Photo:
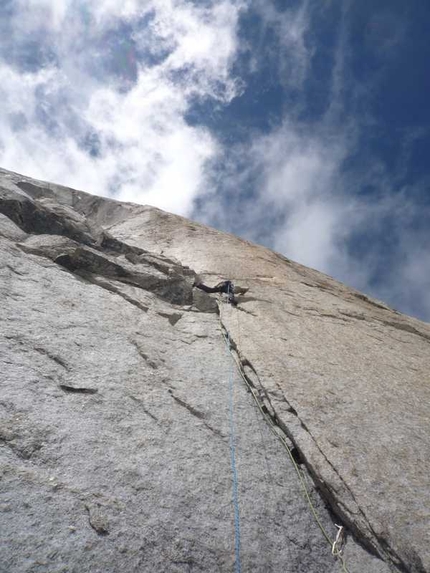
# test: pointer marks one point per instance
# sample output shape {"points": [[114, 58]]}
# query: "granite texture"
{"points": [[114, 407]]}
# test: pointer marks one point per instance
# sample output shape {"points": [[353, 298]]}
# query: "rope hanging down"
{"points": [[334, 544], [233, 457]]}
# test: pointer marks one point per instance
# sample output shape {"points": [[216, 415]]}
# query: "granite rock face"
{"points": [[115, 423]]}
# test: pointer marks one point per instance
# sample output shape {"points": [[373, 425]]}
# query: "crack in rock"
{"points": [[152, 363], [196, 413], [53, 357], [77, 390], [93, 250], [262, 397], [142, 405]]}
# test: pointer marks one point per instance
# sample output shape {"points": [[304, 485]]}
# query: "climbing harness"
{"points": [[233, 456], [337, 544]]}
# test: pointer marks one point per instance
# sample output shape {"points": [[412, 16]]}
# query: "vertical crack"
{"points": [[376, 544]]}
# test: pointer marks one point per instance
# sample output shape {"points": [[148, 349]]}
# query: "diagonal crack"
{"points": [[381, 547], [53, 357], [147, 412], [196, 413], [110, 287]]}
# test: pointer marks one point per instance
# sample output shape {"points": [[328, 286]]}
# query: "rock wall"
{"points": [[115, 417]]}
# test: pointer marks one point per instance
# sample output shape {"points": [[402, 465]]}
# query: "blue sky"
{"points": [[303, 125]]}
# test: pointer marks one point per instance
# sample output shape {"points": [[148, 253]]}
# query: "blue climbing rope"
{"points": [[233, 459]]}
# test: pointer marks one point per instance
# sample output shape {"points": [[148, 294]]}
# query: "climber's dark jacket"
{"points": [[226, 287]]}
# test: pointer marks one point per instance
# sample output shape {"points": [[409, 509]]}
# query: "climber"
{"points": [[226, 287]]}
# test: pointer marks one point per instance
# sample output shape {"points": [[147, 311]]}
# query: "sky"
{"points": [[302, 125]]}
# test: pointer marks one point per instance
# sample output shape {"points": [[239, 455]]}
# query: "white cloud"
{"points": [[296, 203], [33, 15], [143, 148]]}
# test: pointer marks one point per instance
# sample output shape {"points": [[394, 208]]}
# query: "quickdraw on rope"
{"points": [[233, 456], [337, 548], [336, 545]]}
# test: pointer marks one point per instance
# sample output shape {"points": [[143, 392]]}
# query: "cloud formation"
{"points": [[94, 95]]}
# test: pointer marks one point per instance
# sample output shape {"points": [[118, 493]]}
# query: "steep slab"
{"points": [[343, 376], [347, 377]]}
